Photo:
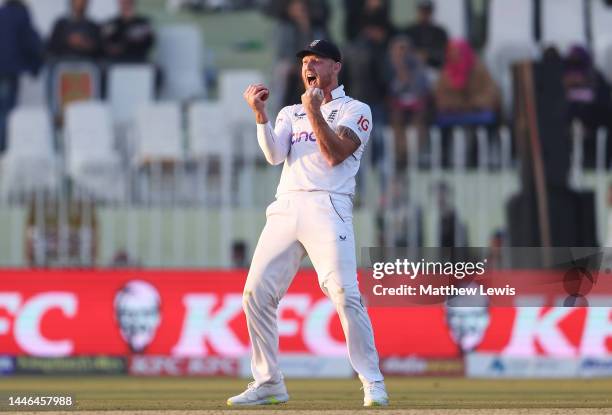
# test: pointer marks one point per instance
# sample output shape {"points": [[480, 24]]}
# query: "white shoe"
{"points": [[375, 394], [264, 394]]}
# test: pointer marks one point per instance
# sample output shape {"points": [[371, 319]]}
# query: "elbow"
{"points": [[334, 161], [274, 161]]}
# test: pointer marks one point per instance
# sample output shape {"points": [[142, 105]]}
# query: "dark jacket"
{"points": [[59, 46], [430, 39], [133, 38], [21, 48]]}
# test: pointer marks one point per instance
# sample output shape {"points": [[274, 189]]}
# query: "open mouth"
{"points": [[311, 79]]}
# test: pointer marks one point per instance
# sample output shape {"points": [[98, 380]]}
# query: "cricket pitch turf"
{"points": [[423, 396]]}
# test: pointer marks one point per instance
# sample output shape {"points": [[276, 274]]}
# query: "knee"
{"points": [[344, 298], [257, 298]]}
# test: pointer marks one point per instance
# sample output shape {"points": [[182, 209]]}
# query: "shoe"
{"points": [[264, 394], [375, 394]]}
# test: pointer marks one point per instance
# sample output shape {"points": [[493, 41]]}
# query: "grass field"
{"points": [[421, 396]]}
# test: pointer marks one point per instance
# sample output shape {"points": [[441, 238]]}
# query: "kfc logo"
{"points": [[137, 310]]}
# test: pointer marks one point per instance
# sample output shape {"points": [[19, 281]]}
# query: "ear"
{"points": [[337, 67]]}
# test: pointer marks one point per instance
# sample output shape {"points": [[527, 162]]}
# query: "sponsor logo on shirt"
{"points": [[363, 124], [303, 137], [299, 116]]}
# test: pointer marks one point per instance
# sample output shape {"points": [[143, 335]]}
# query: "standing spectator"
{"points": [[293, 34], [75, 36], [364, 68], [409, 91], [452, 231], [20, 51], [355, 15], [318, 11], [128, 37], [588, 96], [400, 219], [428, 38]]}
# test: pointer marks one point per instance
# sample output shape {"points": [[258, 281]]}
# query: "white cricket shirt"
{"points": [[294, 142]]}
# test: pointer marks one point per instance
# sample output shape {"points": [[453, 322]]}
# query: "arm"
{"points": [[56, 42], [335, 146], [273, 142]]}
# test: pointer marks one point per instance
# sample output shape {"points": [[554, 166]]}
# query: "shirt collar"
{"points": [[338, 92]]}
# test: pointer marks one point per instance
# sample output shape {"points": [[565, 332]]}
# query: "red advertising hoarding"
{"points": [[197, 314]]}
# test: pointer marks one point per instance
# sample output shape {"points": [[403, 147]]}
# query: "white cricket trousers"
{"points": [[319, 224]]}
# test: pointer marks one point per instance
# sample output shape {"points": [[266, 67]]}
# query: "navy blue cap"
{"points": [[323, 48]]}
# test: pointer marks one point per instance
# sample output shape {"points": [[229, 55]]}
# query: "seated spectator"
{"points": [[75, 36], [588, 97], [20, 51], [128, 37], [465, 93], [409, 89], [428, 38]]}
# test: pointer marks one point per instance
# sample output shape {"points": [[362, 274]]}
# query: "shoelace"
{"points": [[370, 387], [252, 385]]}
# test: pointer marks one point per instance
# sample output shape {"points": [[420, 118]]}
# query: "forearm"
{"points": [[275, 148], [330, 144]]}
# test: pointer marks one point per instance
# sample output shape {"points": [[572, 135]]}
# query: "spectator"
{"points": [[465, 95], [128, 37], [452, 232], [240, 257], [588, 96], [20, 51], [75, 36], [429, 39], [354, 19], [496, 258], [465, 87], [364, 68], [400, 219], [409, 91], [318, 12], [292, 35]]}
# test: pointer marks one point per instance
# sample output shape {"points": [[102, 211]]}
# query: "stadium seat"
{"points": [[209, 134], [102, 10], [452, 16], [210, 140], [158, 133], [510, 22], [563, 24], [158, 158], [232, 85], [601, 21], [29, 163], [510, 39], [33, 90], [92, 162], [604, 60], [128, 87], [73, 81], [46, 12], [500, 60], [179, 53]]}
